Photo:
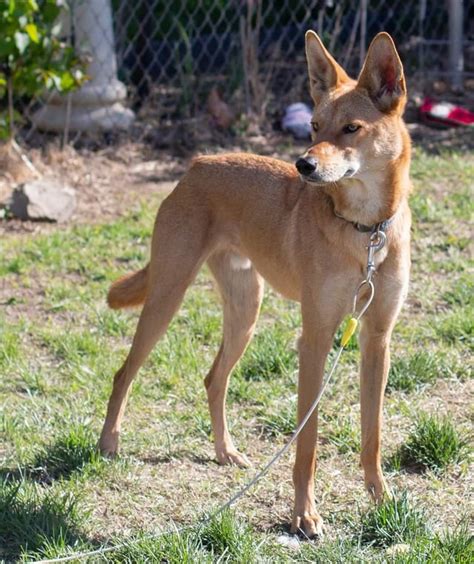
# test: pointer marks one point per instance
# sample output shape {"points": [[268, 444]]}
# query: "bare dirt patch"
{"points": [[109, 181]]}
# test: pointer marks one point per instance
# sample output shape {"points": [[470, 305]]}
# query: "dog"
{"points": [[305, 230]]}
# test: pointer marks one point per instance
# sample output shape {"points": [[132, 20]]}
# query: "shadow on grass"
{"points": [[70, 453], [37, 520], [397, 463], [179, 454]]}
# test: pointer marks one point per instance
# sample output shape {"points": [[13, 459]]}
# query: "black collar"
{"points": [[381, 226]]}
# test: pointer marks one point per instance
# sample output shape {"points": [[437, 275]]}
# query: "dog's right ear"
{"points": [[324, 72]]}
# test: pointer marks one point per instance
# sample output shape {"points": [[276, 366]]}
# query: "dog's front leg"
{"points": [[375, 335], [314, 347], [373, 376]]}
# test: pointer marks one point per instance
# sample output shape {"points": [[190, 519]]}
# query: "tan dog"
{"points": [[254, 218]]}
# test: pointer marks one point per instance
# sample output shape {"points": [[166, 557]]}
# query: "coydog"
{"points": [[305, 230]]}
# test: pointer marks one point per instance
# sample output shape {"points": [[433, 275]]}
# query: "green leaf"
{"points": [[11, 7], [50, 11], [21, 41], [67, 81], [33, 5], [32, 31], [7, 48]]}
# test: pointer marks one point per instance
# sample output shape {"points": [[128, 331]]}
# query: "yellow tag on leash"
{"points": [[349, 331]]}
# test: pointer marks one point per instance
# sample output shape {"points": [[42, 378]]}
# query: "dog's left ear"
{"points": [[382, 75]]}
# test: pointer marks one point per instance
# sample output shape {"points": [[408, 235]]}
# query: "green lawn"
{"points": [[59, 349]]}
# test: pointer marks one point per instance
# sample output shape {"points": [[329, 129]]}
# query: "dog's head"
{"points": [[357, 127]]}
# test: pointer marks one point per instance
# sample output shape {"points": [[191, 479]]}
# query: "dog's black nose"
{"points": [[306, 165]]}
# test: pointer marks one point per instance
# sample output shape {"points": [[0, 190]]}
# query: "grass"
{"points": [[397, 520], [59, 349], [229, 539], [344, 434], [279, 420], [399, 526], [33, 519], [73, 451], [434, 444], [272, 354], [457, 327], [410, 372], [174, 549]]}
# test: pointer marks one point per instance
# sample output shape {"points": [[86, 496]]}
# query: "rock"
{"points": [[289, 541], [44, 199], [397, 549]]}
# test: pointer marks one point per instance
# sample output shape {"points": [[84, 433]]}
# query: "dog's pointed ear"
{"points": [[324, 72], [382, 75]]}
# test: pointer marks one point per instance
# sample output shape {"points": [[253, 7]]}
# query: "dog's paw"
{"points": [[108, 445], [232, 457], [376, 487], [309, 525]]}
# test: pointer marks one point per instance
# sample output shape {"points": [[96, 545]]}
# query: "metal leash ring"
{"points": [[370, 284], [377, 240]]}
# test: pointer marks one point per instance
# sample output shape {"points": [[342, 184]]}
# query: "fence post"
{"points": [[456, 59], [98, 104], [363, 32]]}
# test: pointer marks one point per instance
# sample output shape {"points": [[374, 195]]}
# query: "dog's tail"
{"points": [[129, 291]]}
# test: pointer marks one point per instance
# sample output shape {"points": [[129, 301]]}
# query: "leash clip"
{"points": [[377, 241], [376, 244]]}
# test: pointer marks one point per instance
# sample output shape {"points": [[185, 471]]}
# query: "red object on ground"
{"points": [[445, 113]]}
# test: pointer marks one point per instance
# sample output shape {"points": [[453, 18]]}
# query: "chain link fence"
{"points": [[154, 64]]}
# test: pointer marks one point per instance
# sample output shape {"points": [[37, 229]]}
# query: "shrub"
{"points": [[32, 57], [396, 520], [433, 444]]}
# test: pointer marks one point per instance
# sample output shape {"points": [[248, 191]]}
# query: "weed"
{"points": [[229, 538], [456, 545], [174, 548], [449, 547], [457, 327], [9, 347], [409, 373], [396, 520], [344, 434], [433, 444], [279, 420], [31, 517], [461, 292], [270, 354], [71, 452]]}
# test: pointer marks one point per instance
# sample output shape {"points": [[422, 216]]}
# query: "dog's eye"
{"points": [[350, 128], [315, 126]]}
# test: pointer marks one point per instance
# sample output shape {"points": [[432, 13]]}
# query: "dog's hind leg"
{"points": [[241, 288], [180, 245]]}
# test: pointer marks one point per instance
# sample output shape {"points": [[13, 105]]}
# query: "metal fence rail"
{"points": [[162, 59]]}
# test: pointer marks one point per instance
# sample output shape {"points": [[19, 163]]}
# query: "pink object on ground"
{"points": [[445, 113]]}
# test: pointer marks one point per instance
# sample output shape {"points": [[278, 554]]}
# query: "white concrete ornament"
{"points": [[97, 105]]}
